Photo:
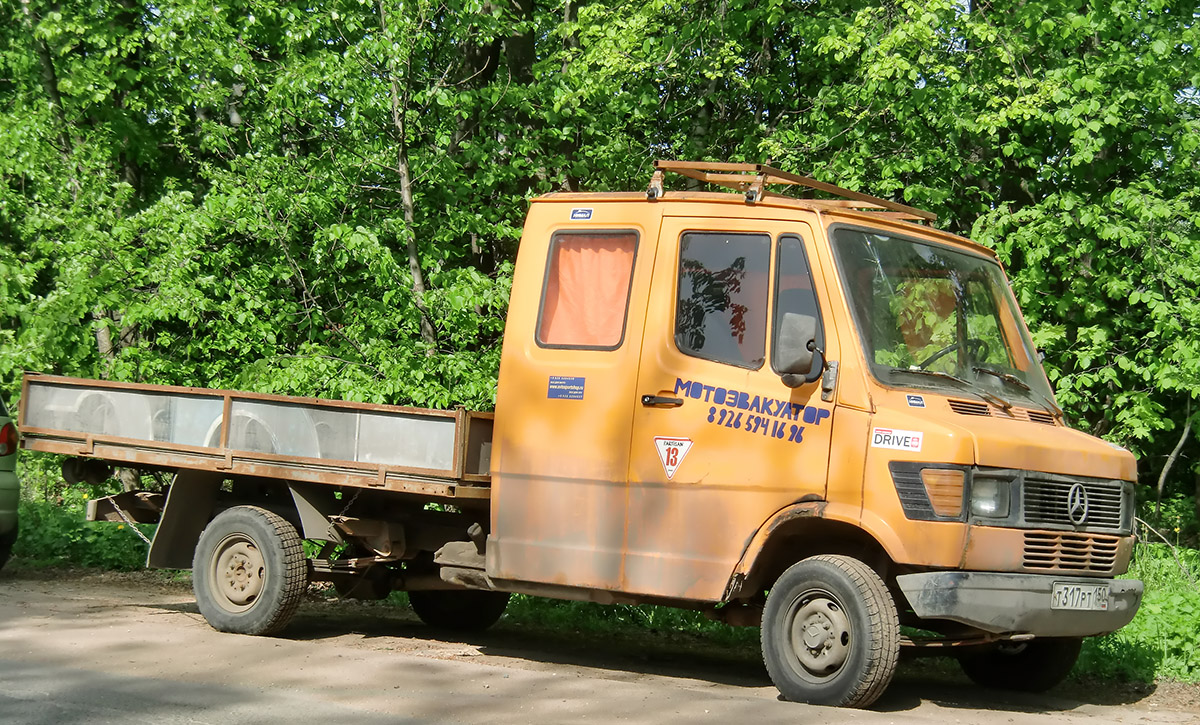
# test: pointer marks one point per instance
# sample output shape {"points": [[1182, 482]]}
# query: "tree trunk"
{"points": [[399, 107], [519, 45], [1162, 477], [50, 85], [569, 147], [104, 342]]}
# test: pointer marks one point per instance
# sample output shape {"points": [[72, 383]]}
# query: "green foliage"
{"points": [[601, 619], [54, 534], [1176, 520], [214, 194], [1162, 641]]}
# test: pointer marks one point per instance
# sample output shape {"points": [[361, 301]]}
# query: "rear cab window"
{"points": [[585, 299]]}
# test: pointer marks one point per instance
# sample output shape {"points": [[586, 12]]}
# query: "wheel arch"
{"points": [[196, 497], [797, 532]]}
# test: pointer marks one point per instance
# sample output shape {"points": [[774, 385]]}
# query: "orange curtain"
{"points": [[587, 290]]}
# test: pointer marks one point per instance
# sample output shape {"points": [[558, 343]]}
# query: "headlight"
{"points": [[989, 497]]}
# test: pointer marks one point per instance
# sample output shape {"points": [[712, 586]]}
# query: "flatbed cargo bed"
{"points": [[433, 453]]}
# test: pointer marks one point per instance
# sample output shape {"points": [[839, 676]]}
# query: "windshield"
{"points": [[933, 317]]}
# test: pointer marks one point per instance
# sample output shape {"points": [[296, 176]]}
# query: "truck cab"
{"points": [[706, 395]]}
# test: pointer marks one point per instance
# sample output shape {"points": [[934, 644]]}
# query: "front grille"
{"points": [[971, 407], [1097, 503], [1070, 552]]}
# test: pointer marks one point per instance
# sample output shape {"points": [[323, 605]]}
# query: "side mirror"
{"points": [[795, 348]]}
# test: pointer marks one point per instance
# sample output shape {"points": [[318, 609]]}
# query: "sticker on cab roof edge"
{"points": [[581, 214], [897, 440], [671, 452], [916, 401]]}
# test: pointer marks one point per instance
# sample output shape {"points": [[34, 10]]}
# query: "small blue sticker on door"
{"points": [[565, 388], [916, 401], [581, 214]]}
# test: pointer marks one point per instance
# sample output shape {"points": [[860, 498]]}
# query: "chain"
{"points": [[132, 525], [351, 503]]}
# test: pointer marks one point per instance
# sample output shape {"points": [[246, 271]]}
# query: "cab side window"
{"points": [[794, 292], [586, 297], [721, 314]]}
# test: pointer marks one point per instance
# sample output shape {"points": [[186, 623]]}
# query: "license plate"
{"points": [[1087, 597]]}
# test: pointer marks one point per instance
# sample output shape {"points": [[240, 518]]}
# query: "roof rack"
{"points": [[753, 178]]}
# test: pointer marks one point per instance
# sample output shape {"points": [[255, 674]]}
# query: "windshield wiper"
{"points": [[970, 387], [1014, 380]]}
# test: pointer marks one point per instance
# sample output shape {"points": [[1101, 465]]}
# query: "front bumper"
{"points": [[1016, 603], [10, 496]]}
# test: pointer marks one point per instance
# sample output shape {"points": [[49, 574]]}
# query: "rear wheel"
{"points": [[248, 572], [830, 633], [1033, 666], [459, 610]]}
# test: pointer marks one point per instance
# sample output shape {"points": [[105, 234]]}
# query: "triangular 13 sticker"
{"points": [[671, 452]]}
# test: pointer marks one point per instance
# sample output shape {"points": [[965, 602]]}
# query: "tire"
{"points": [[249, 572], [1033, 666], [459, 610], [830, 633], [6, 545]]}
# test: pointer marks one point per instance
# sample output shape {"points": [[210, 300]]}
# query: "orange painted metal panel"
{"points": [[754, 445], [563, 416]]}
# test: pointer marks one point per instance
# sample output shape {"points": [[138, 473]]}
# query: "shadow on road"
{"points": [[941, 683], [626, 656]]}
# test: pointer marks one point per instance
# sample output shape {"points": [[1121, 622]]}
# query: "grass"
{"points": [[1162, 642]]}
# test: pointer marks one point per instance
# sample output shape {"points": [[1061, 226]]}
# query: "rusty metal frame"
{"points": [[444, 483], [753, 178], [464, 450]]}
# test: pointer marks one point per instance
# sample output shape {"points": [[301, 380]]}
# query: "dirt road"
{"points": [[92, 648]]}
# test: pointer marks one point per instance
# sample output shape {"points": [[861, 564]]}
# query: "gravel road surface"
{"points": [[79, 647]]}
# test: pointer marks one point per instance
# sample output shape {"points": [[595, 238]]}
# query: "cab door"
{"points": [[719, 442], [567, 388]]}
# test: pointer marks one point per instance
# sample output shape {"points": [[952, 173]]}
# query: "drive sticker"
{"points": [[581, 214], [565, 388], [671, 452], [897, 440], [916, 401]]}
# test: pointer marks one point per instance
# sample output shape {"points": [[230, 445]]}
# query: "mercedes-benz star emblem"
{"points": [[1077, 504]]}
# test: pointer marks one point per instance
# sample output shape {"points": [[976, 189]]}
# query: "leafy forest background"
{"points": [[325, 198]]}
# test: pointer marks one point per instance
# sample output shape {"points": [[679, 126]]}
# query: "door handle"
{"points": [[661, 401]]}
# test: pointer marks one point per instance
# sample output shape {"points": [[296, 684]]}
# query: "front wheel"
{"points": [[830, 633], [248, 572], [1033, 666]]}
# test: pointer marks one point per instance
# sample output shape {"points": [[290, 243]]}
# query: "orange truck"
{"points": [[820, 416]]}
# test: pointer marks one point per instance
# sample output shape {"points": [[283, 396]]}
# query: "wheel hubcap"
{"points": [[820, 635], [238, 573]]}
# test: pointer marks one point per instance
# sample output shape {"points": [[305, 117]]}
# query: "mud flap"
{"points": [[189, 506]]}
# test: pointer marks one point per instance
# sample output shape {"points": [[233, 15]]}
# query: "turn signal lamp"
{"points": [[944, 486], [8, 440]]}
